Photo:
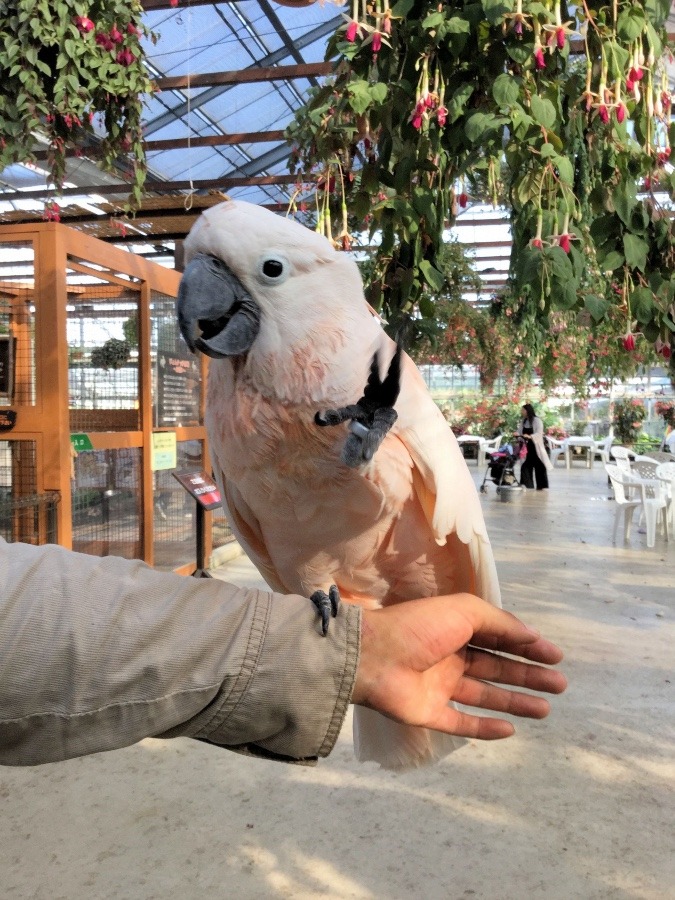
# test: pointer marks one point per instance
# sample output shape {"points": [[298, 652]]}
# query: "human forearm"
{"points": [[96, 654]]}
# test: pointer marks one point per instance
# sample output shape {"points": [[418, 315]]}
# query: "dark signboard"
{"points": [[7, 347], [178, 380], [202, 487], [7, 419]]}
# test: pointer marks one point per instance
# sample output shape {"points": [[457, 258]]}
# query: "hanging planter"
{"points": [[74, 74]]}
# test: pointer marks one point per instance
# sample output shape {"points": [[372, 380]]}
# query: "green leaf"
{"points": [[635, 250], [565, 169], [479, 124], [505, 90], [642, 305], [597, 306], [432, 276], [458, 102], [631, 23], [543, 111], [612, 261], [625, 198], [494, 10], [402, 8]]}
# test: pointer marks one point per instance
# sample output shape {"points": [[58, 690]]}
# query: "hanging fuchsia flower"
{"points": [[116, 36], [537, 243], [352, 31], [173, 2], [560, 37], [665, 351], [104, 40], [376, 43], [125, 57], [132, 30], [620, 112], [629, 342], [636, 73], [442, 116], [564, 242], [539, 60], [463, 199], [603, 112], [83, 24]]}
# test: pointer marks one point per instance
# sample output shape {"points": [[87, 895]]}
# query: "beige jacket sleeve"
{"points": [[96, 654]]}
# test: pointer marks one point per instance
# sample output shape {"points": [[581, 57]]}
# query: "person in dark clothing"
{"points": [[537, 462]]}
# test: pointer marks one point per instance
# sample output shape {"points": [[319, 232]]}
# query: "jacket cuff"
{"points": [[291, 712]]}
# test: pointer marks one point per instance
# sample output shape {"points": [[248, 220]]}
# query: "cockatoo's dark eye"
{"points": [[273, 268]]}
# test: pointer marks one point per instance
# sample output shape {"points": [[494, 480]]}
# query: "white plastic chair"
{"points": [[666, 473], [557, 449], [621, 456], [654, 496], [602, 448], [490, 446], [625, 504]]}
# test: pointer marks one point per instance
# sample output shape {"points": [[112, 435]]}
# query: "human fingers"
{"points": [[482, 695], [463, 724], [494, 667]]}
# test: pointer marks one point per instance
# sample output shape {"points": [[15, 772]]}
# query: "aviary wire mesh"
{"points": [[102, 334], [17, 323], [25, 515], [106, 497]]}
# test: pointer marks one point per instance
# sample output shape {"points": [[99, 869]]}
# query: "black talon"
{"points": [[371, 417], [327, 605]]}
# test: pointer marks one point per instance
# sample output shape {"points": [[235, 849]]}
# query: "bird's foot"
{"points": [[327, 605]]}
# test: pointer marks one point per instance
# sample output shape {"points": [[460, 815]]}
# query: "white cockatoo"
{"points": [[283, 316]]}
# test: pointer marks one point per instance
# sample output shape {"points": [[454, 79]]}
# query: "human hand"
{"points": [[417, 656]]}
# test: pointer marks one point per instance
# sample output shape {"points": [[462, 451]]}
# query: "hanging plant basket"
{"points": [[74, 77]]}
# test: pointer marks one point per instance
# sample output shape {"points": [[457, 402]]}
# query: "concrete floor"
{"points": [[581, 805]]}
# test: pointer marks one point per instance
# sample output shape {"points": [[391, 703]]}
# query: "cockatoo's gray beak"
{"points": [[215, 313]]}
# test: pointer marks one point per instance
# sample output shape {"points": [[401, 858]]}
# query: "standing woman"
{"points": [[531, 428]]}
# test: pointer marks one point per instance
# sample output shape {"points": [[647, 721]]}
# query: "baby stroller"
{"points": [[501, 464]]}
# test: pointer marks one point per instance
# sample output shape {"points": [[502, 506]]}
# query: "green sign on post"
{"points": [[81, 442]]}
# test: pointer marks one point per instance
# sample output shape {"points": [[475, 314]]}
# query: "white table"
{"points": [[580, 441]]}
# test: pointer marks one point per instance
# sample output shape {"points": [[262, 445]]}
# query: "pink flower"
{"points": [[560, 37], [620, 112], [173, 2], [417, 120], [538, 243], [125, 57], [463, 200], [665, 351], [630, 84], [131, 29], [377, 42], [441, 115], [83, 24], [104, 40], [539, 60], [564, 242], [636, 73], [629, 342], [603, 112], [116, 36], [352, 31]]}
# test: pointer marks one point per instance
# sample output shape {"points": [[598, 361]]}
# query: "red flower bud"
{"points": [[377, 43], [125, 57], [116, 35], [665, 351], [636, 73], [560, 37], [539, 60], [463, 200], [603, 112], [83, 24], [629, 342], [173, 2], [620, 112], [352, 31], [104, 40], [630, 84], [538, 243], [441, 115], [564, 242], [131, 29]]}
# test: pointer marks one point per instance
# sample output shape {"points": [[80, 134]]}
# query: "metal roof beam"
{"points": [[244, 76], [310, 37]]}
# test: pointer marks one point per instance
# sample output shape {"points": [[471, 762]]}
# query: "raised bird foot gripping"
{"points": [[371, 417], [327, 605]]}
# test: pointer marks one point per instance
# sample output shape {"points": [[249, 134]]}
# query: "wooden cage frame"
{"points": [[47, 422]]}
